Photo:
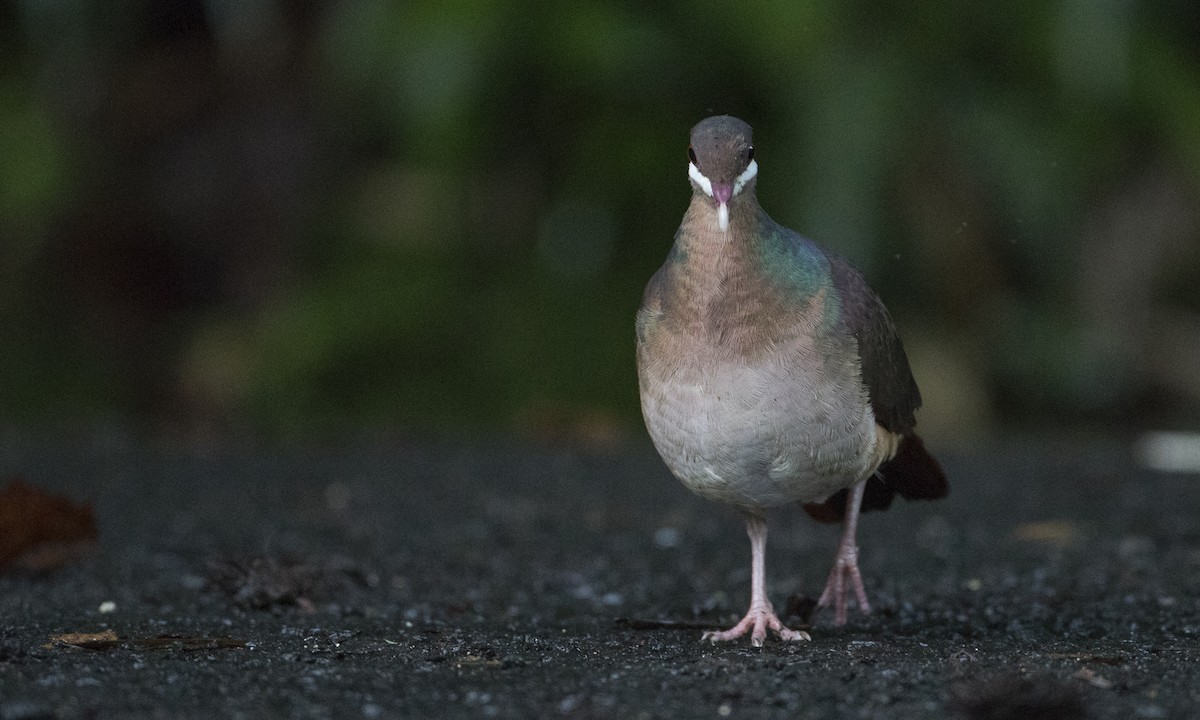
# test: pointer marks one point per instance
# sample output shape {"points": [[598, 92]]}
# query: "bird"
{"points": [[770, 373]]}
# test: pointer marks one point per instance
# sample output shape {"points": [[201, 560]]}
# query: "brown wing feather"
{"points": [[885, 371]]}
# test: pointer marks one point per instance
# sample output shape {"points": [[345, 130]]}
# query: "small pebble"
{"points": [[666, 537]]}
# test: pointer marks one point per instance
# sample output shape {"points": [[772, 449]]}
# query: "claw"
{"points": [[844, 568], [757, 621], [761, 616]]}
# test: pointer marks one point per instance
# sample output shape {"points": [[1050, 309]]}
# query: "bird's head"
{"points": [[721, 161]]}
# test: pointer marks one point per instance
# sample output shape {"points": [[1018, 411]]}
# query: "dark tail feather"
{"points": [[913, 473]]}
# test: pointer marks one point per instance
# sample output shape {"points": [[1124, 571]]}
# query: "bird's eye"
{"points": [[750, 154], [692, 154]]}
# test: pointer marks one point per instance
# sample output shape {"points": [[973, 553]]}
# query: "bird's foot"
{"points": [[845, 572], [756, 622]]}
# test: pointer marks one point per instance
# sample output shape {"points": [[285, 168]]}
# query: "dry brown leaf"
{"points": [[82, 639], [1091, 677], [1060, 533], [40, 530], [108, 640]]}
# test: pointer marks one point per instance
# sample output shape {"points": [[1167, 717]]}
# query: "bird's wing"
{"points": [[913, 473], [885, 371]]}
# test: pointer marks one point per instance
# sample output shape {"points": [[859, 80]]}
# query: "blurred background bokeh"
{"points": [[284, 218]]}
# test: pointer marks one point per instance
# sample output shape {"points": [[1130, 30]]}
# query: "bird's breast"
{"points": [[788, 422]]}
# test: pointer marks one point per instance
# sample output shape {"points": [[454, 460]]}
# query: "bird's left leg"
{"points": [[845, 565]]}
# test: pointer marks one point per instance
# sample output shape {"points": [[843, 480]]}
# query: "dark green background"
{"points": [[286, 218]]}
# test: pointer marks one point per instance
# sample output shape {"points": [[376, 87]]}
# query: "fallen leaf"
{"points": [[1060, 533], [81, 639], [1091, 677], [109, 640], [40, 530]]}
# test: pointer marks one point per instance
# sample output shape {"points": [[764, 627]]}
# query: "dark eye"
{"points": [[692, 155], [750, 154]]}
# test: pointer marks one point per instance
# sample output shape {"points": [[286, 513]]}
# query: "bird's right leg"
{"points": [[761, 615]]}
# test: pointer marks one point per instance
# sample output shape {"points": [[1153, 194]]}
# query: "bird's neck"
{"points": [[753, 244], [747, 287], [703, 241]]}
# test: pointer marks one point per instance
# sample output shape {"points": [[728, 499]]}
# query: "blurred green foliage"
{"points": [[314, 216]]}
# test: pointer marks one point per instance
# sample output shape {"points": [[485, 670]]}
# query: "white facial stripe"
{"points": [[704, 183], [746, 176]]}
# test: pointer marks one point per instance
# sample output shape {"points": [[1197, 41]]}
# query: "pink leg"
{"points": [[845, 565], [761, 615]]}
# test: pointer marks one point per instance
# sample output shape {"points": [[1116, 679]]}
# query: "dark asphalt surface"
{"points": [[492, 579]]}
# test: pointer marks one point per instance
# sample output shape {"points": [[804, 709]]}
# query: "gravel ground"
{"points": [[494, 579]]}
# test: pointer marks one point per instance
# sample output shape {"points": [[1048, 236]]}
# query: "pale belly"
{"points": [[760, 437]]}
